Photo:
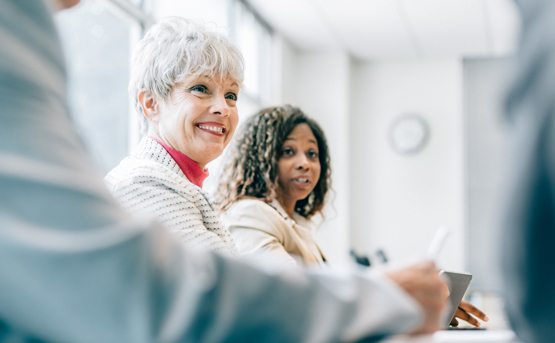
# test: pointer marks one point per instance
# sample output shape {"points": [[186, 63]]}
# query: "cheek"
{"points": [[234, 115], [233, 122], [317, 170], [188, 110], [282, 170]]}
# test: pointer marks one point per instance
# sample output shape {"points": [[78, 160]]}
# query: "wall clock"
{"points": [[409, 134]]}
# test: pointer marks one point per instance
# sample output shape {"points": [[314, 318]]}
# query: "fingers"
{"points": [[469, 308], [462, 314], [466, 311], [427, 265], [422, 282], [454, 322]]}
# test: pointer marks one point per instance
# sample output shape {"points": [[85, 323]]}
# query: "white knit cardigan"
{"points": [[150, 182]]}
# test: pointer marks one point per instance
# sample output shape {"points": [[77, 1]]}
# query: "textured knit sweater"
{"points": [[150, 182]]}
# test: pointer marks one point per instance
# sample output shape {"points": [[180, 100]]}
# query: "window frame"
{"points": [[139, 19]]}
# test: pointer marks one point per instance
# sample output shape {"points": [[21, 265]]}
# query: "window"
{"points": [[98, 38], [254, 38]]}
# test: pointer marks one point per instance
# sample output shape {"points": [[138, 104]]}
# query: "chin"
{"points": [[302, 196], [211, 155]]}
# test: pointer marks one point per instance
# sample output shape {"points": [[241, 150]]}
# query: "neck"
{"points": [[287, 204], [154, 134], [288, 207]]}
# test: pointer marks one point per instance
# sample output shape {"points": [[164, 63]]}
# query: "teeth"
{"points": [[212, 128], [302, 180]]}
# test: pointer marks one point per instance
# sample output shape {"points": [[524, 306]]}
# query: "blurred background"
{"points": [[409, 93]]}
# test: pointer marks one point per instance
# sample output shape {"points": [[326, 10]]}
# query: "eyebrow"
{"points": [[212, 79], [293, 139]]}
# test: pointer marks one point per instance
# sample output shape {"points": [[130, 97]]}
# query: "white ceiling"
{"points": [[377, 29]]}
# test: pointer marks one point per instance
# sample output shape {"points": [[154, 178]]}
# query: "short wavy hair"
{"points": [[175, 49], [251, 168]]}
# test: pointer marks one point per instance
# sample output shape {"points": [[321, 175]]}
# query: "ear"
{"points": [[149, 105]]}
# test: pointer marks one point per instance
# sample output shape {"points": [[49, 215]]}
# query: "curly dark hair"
{"points": [[251, 167]]}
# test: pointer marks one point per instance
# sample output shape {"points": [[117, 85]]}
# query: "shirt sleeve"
{"points": [[252, 241], [75, 267]]}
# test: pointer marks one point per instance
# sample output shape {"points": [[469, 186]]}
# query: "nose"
{"points": [[220, 106], [302, 162]]}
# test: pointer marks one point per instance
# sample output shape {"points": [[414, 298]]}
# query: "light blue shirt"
{"points": [[75, 267]]}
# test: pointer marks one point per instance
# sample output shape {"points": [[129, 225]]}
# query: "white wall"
{"points": [[486, 132], [399, 201]]}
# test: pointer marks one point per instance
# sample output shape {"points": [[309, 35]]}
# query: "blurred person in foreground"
{"points": [[185, 81], [528, 236], [275, 179], [75, 267]]}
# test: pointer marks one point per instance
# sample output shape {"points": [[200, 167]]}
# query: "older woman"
{"points": [[276, 179], [185, 83]]}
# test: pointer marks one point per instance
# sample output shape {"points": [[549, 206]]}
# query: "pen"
{"points": [[437, 243]]}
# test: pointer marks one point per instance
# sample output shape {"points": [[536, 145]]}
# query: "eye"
{"points": [[199, 88], [312, 154], [287, 151], [231, 96]]}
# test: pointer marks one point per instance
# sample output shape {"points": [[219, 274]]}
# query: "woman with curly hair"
{"points": [[276, 179]]}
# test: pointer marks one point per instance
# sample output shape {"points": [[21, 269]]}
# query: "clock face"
{"points": [[409, 134]]}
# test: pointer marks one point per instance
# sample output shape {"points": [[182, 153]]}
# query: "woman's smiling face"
{"points": [[199, 119]]}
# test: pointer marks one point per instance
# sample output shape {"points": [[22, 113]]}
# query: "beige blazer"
{"points": [[261, 228]]}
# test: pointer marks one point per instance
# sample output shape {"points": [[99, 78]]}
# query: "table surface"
{"points": [[459, 336]]}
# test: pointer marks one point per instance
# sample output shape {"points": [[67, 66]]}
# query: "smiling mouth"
{"points": [[212, 128], [300, 180]]}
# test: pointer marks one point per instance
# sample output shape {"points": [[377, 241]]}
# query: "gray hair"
{"points": [[175, 49]]}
